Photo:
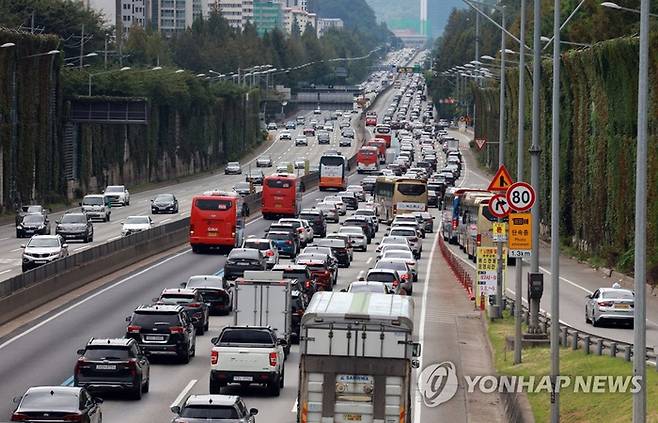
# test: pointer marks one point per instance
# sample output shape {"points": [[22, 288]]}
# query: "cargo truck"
{"points": [[356, 359]]}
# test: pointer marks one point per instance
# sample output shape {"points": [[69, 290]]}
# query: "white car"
{"points": [[264, 161], [96, 206], [301, 141], [134, 224], [358, 191], [285, 135], [393, 240], [610, 304], [338, 201], [266, 247], [117, 194], [357, 237], [233, 168], [305, 235], [407, 255], [328, 127], [412, 236], [42, 249]]}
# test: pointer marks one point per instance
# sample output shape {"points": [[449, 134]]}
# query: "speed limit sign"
{"points": [[520, 196]]}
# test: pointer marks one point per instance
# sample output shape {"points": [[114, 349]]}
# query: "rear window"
{"points": [[250, 254], [241, 336], [214, 204], [301, 276], [381, 277], [403, 232], [411, 189], [259, 245], [44, 401], [279, 237], [309, 216], [155, 319], [279, 183], [623, 295], [209, 412], [176, 299], [105, 353]]}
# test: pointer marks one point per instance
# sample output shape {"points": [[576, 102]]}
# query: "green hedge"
{"points": [[598, 118]]}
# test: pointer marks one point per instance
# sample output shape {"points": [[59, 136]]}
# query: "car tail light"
{"points": [[134, 329], [214, 357], [81, 363], [414, 239], [300, 312], [405, 276], [300, 230], [132, 365], [454, 223], [605, 303], [191, 229], [19, 417], [176, 329], [395, 284], [289, 242], [411, 262], [194, 305], [72, 418], [478, 240], [273, 359]]}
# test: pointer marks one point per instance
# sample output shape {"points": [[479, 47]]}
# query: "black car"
{"points": [[32, 209], [214, 290], [255, 176], [109, 365], [75, 226], [339, 248], [163, 330], [317, 221], [33, 224], [363, 224], [197, 310], [164, 203], [299, 304], [301, 275], [347, 133], [345, 142], [56, 403], [241, 259], [323, 138]]}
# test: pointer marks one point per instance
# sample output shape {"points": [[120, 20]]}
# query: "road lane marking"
{"points": [[68, 382], [5, 271], [84, 247], [166, 220], [15, 250], [114, 238], [183, 394], [369, 260], [294, 406], [89, 298]]}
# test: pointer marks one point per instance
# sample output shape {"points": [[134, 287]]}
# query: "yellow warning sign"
{"points": [[520, 234]]}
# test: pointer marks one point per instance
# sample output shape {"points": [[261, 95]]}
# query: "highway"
{"points": [[576, 279]]}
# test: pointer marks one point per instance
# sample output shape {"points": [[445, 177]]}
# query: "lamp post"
{"points": [[123, 69], [12, 131], [615, 6]]}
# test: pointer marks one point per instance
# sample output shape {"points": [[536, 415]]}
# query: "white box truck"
{"points": [[356, 359], [264, 298]]}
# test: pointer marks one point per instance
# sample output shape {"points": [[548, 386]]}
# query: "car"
{"points": [[266, 247], [75, 226], [329, 210], [272, 126], [347, 133], [305, 231], [282, 169], [301, 275], [357, 236], [367, 286], [610, 304], [33, 224], [298, 302], [197, 310], [411, 234], [96, 206], [338, 201], [419, 228], [368, 212], [244, 188], [40, 403], [291, 125], [403, 269], [339, 248], [213, 409], [316, 219], [285, 242], [32, 209], [117, 194], [325, 253], [214, 290], [389, 277], [308, 132], [134, 224], [163, 330], [345, 142], [368, 184], [241, 259], [233, 168], [300, 120], [323, 137], [358, 191], [112, 365], [164, 203], [264, 161], [320, 269], [256, 176], [285, 135], [407, 255], [317, 111], [314, 123], [247, 355], [426, 219], [344, 124], [397, 240], [360, 221], [328, 127], [300, 164], [301, 141], [43, 249], [350, 200]]}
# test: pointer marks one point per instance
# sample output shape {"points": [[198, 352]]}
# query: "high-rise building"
{"points": [[166, 16], [302, 17], [131, 13], [268, 15], [294, 4], [324, 24], [236, 12]]}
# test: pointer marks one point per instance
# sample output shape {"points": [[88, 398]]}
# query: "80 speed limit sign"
{"points": [[520, 196]]}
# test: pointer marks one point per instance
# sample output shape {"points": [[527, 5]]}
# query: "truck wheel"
{"points": [[215, 387]]}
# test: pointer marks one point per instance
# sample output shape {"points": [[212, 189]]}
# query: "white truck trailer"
{"points": [[356, 359]]}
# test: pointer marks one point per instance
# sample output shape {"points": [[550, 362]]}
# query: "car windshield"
{"points": [[335, 243], [256, 173], [54, 400], [209, 412], [309, 216], [43, 242], [176, 299], [618, 295], [93, 201], [74, 218], [114, 188], [257, 244], [33, 218], [107, 353], [33, 209], [164, 198], [233, 164], [364, 213], [243, 253], [197, 281], [137, 220], [265, 158]]}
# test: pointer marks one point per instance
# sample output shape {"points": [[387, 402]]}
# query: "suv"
{"points": [[411, 235], [241, 259], [214, 408], [163, 329], [317, 221], [247, 355], [266, 246], [113, 365], [96, 206], [301, 274], [361, 221], [323, 137], [43, 249], [214, 290], [33, 224], [305, 233], [75, 225], [339, 249], [285, 242], [197, 310], [349, 198], [117, 194], [320, 270], [301, 141]]}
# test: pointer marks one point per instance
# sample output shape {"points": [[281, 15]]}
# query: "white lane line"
{"points": [[183, 394], [294, 406], [5, 271], [15, 250], [114, 238], [369, 260], [3, 239], [89, 298], [421, 328], [165, 220], [84, 247]]}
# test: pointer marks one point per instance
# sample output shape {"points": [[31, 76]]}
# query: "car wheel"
{"points": [[215, 387], [137, 392], [587, 319], [24, 268], [18, 235], [145, 387], [282, 379], [195, 249], [595, 322], [200, 330], [207, 325], [185, 357], [107, 218], [193, 352]]}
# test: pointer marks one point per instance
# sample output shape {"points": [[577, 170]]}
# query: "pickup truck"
{"points": [[247, 355]]}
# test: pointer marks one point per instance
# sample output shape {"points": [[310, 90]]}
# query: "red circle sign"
{"points": [[499, 206], [521, 196]]}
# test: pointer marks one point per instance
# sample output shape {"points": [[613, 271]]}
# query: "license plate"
{"points": [[622, 306], [212, 233], [353, 417], [277, 206], [106, 367], [243, 378], [40, 261], [154, 338]]}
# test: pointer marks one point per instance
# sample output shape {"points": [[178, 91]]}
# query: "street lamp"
{"points": [[615, 6], [123, 69], [49, 53], [179, 71], [571, 43], [7, 45]]}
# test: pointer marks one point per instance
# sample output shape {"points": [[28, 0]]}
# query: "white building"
{"points": [[166, 16], [294, 4], [302, 17], [324, 24], [131, 13], [236, 12]]}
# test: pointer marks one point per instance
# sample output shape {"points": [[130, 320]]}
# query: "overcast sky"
{"points": [[105, 6]]}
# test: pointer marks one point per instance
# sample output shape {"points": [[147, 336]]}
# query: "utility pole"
{"points": [[497, 311], [82, 45], [518, 288], [555, 220], [477, 55], [640, 330], [105, 54]]}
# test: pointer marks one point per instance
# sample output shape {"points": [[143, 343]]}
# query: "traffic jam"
{"points": [[330, 285]]}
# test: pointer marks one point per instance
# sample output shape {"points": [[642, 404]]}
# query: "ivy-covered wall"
{"points": [[598, 118]]}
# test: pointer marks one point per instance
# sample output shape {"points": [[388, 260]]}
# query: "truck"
{"points": [[451, 144], [264, 298], [356, 358]]}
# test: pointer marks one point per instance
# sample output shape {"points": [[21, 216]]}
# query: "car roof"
{"points": [[616, 290], [389, 271], [73, 390], [212, 400], [181, 291], [159, 308], [114, 342], [45, 237], [289, 267]]}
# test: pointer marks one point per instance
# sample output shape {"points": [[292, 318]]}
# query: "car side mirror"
{"points": [[98, 400], [103, 192], [182, 284], [22, 245], [65, 245], [152, 201], [214, 340], [343, 290], [58, 221], [175, 409], [80, 203], [155, 300], [253, 411], [282, 342], [80, 351], [128, 319], [588, 296], [16, 400]]}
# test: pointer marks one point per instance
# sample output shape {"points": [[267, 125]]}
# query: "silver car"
{"points": [[330, 211], [42, 249], [403, 269], [266, 247], [214, 408], [610, 304], [412, 236], [357, 237]]}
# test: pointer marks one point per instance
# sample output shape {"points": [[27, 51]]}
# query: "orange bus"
{"points": [[384, 132], [367, 159], [380, 143], [216, 221], [282, 196], [333, 172]]}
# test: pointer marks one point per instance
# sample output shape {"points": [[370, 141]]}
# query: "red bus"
{"points": [[282, 195], [333, 172], [367, 159], [380, 143], [216, 220], [384, 132], [371, 119]]}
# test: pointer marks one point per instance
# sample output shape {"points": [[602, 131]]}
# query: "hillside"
{"points": [[356, 14]]}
